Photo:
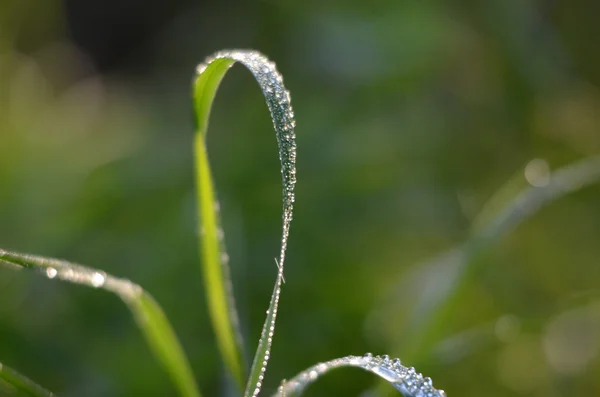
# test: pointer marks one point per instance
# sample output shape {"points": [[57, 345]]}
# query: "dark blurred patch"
{"points": [[118, 34], [577, 25]]}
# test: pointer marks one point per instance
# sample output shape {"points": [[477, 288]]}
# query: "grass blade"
{"points": [[218, 286], [409, 382], [22, 384], [435, 303], [561, 182], [148, 315]]}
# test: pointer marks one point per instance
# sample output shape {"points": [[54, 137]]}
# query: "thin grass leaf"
{"points": [[21, 384], [437, 300], [561, 182], [217, 281], [409, 382], [148, 315], [216, 272]]}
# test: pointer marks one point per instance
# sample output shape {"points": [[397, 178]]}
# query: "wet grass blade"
{"points": [[21, 384], [215, 268], [409, 382], [148, 315]]}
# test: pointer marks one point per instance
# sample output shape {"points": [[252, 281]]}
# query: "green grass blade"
{"points": [[22, 384], [148, 315], [406, 380], [436, 304], [215, 269], [219, 290], [163, 342]]}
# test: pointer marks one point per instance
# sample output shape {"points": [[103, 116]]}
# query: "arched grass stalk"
{"points": [[215, 268], [22, 384], [216, 271], [148, 315]]}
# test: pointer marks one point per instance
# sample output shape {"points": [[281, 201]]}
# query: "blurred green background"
{"points": [[410, 116]]}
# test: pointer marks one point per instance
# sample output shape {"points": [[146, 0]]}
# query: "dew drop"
{"points": [[68, 274], [537, 173], [98, 280], [201, 68], [224, 257], [51, 272]]}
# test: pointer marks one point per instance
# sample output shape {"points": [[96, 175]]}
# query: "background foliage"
{"points": [[410, 116]]}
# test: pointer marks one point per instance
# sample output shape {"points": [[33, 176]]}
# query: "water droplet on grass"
{"points": [[409, 382], [98, 280], [51, 272]]}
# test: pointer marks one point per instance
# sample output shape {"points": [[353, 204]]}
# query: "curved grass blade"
{"points": [[149, 316], [409, 382], [22, 384], [218, 284], [436, 302], [561, 182]]}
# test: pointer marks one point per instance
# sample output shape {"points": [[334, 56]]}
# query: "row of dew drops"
{"points": [[405, 379], [66, 271]]}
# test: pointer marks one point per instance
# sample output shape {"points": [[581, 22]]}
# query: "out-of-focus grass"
{"points": [[433, 309]]}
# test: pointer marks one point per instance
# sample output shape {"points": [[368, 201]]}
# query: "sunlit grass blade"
{"points": [[149, 316], [435, 303], [408, 381], [218, 285], [21, 384]]}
